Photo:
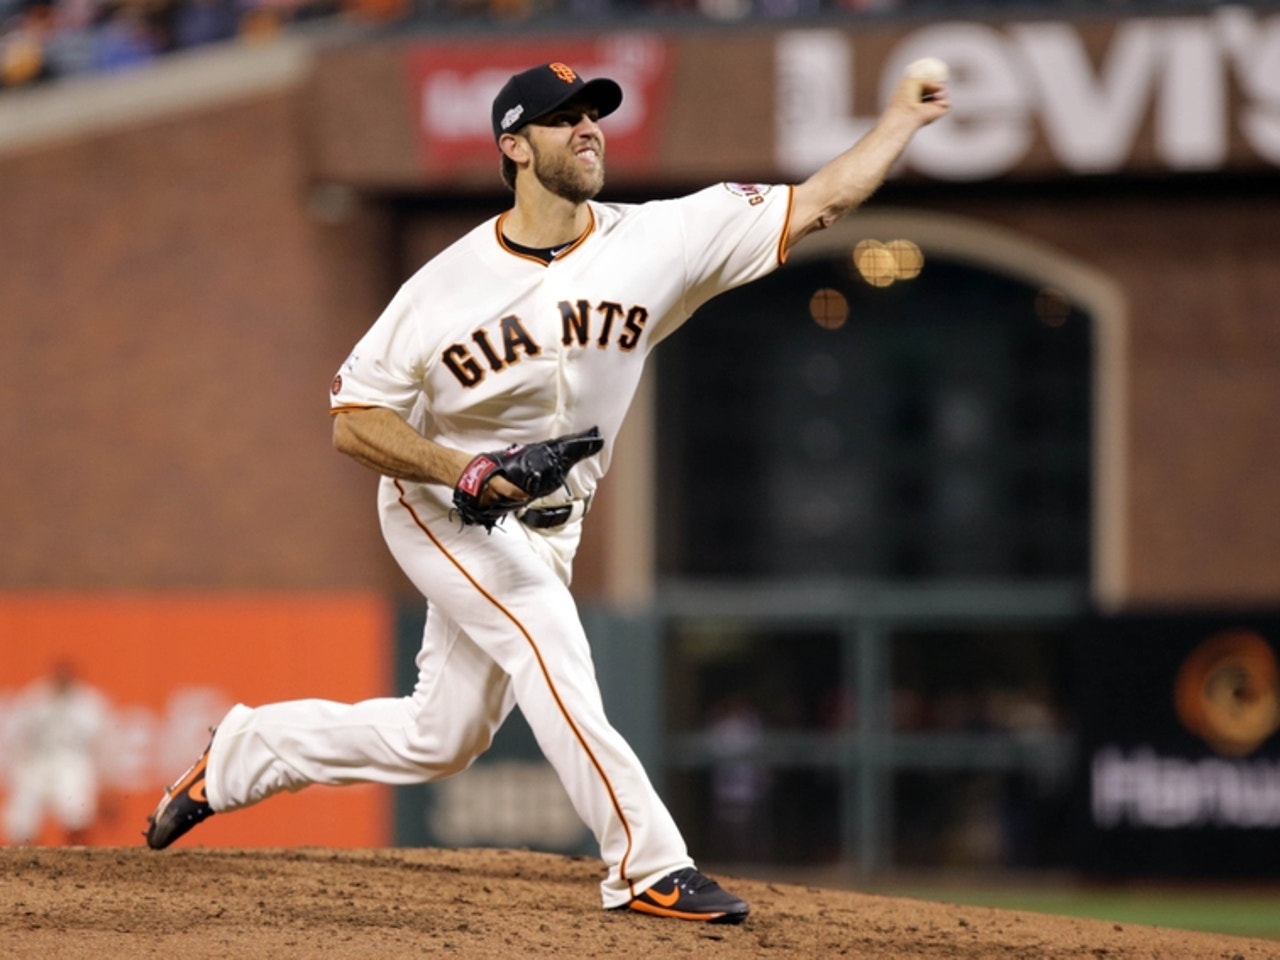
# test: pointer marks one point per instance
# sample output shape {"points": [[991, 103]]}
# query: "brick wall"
{"points": [[172, 317]]}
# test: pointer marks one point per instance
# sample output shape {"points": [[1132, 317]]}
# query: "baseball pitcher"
{"points": [[488, 396]]}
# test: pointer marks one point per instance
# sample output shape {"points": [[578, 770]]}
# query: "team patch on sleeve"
{"points": [[753, 193]]}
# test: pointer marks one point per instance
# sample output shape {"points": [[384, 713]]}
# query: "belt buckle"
{"points": [[545, 518]]}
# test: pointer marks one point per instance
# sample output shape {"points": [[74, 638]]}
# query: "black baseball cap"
{"points": [[543, 89]]}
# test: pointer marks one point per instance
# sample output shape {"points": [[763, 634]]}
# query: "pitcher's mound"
{"points": [[118, 903]]}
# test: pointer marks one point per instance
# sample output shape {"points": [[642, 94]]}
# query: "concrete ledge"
{"points": [[177, 83]]}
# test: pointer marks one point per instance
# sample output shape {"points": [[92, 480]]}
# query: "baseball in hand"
{"points": [[929, 69]]}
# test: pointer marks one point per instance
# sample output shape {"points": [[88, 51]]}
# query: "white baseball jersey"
{"points": [[484, 347]]}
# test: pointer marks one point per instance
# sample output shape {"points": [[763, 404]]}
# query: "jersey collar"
{"points": [[559, 254]]}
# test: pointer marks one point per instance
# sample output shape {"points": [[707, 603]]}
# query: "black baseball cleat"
{"points": [[182, 807], [689, 895]]}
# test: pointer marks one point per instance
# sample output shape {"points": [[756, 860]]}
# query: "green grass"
{"points": [[1252, 913]]}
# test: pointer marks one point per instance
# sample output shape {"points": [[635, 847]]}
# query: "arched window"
{"points": [[911, 397]]}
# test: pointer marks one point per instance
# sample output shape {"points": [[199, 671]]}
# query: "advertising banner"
{"points": [[453, 87], [1033, 98], [1180, 755], [160, 670], [1167, 94]]}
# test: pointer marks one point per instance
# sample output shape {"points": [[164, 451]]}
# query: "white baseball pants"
{"points": [[502, 628]]}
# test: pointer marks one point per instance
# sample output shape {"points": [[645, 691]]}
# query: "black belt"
{"points": [[544, 518]]}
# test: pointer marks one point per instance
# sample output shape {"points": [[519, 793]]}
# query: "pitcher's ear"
{"points": [[517, 148]]}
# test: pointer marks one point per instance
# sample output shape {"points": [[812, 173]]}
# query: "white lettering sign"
{"points": [[1011, 82], [1144, 789], [455, 102]]}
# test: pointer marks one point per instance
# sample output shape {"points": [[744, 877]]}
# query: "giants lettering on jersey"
{"points": [[515, 341], [607, 322]]}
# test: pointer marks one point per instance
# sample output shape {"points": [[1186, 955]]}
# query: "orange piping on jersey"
{"points": [[784, 241], [348, 407], [542, 665], [502, 241]]}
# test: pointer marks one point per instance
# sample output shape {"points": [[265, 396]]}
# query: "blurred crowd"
{"points": [[44, 39]]}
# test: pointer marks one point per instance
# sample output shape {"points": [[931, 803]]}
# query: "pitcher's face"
{"points": [[568, 152]]}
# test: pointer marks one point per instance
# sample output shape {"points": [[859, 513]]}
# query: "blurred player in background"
{"points": [[54, 740]]}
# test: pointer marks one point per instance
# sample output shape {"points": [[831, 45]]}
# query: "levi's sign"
{"points": [[1151, 94]]}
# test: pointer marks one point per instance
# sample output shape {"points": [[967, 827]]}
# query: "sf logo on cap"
{"points": [[564, 72]]}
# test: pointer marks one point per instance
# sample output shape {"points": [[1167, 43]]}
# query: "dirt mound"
{"points": [[303, 903]]}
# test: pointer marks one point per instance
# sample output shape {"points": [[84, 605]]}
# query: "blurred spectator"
{"points": [[740, 784], [54, 736], [72, 47], [198, 22], [129, 35], [22, 50]]}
